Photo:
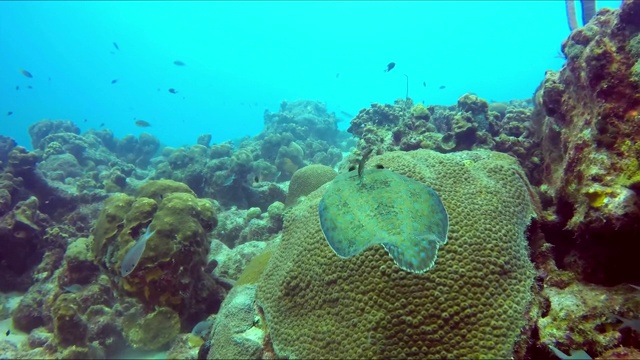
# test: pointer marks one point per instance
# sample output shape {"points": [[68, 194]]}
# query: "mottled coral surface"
{"points": [[472, 303]]}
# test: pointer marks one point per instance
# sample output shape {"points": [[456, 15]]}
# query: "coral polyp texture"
{"points": [[471, 304], [308, 179]]}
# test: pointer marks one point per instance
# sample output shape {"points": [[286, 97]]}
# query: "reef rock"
{"points": [[587, 117]]}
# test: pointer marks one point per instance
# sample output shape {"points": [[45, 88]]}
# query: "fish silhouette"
{"points": [[390, 66]]}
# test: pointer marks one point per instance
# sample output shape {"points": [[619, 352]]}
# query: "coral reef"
{"points": [[237, 227], [307, 180], [230, 232], [237, 331], [472, 124], [170, 271], [319, 305], [151, 330], [586, 117]]}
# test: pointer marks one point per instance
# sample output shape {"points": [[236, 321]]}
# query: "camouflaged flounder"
{"points": [[405, 216]]}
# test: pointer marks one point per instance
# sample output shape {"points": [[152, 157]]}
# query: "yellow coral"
{"points": [[598, 197]]}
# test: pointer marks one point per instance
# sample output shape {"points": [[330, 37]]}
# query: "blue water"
{"points": [[244, 57]]}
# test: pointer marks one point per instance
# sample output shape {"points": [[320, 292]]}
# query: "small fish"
{"points": [[101, 124], [424, 83], [26, 73], [630, 323], [229, 180], [390, 66], [72, 288], [20, 234], [114, 81], [115, 45], [29, 87], [346, 114], [202, 328], [337, 75], [7, 333], [17, 87], [85, 120], [442, 87], [132, 257], [173, 91], [179, 63], [142, 123], [575, 354], [9, 113], [256, 179], [635, 287]]}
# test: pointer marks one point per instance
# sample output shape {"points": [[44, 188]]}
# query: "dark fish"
{"points": [[202, 328], [173, 91], [26, 73], [346, 114], [390, 66], [442, 87], [85, 120], [17, 87], [116, 45], [114, 81], [256, 179], [424, 83], [142, 123], [9, 113], [8, 333], [29, 87], [101, 124], [337, 75], [179, 63]]}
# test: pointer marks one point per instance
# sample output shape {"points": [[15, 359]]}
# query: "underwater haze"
{"points": [[243, 57]]}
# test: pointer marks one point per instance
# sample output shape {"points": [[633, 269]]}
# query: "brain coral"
{"points": [[471, 304], [308, 179]]}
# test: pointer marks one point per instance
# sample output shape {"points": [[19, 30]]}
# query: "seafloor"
{"points": [[124, 248]]}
